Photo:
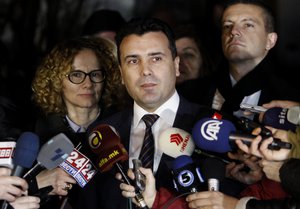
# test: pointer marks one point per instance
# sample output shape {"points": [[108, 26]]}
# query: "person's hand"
{"points": [[11, 187], [58, 179], [211, 199], [278, 103], [26, 202], [260, 148], [271, 169], [281, 103], [247, 172], [150, 191]]}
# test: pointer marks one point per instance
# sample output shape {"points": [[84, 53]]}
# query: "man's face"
{"points": [[244, 36], [148, 70]]}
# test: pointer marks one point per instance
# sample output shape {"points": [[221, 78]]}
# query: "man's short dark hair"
{"points": [[269, 17], [140, 26]]}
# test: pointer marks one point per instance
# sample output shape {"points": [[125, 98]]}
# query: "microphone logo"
{"points": [[95, 139], [282, 116], [185, 178], [210, 129], [176, 138]]}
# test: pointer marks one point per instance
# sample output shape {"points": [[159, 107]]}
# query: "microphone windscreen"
{"points": [[55, 151], [105, 141], [276, 117], [26, 150], [175, 142], [213, 168], [293, 115], [181, 161], [213, 134]]}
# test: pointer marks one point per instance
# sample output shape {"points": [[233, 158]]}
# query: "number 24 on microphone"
{"points": [[79, 167]]}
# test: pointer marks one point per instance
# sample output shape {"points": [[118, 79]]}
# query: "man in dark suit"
{"points": [[149, 67]]}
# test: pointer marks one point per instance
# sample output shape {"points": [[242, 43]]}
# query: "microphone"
{"points": [[187, 177], [52, 153], [175, 142], [213, 170], [24, 156], [281, 118], [105, 141], [293, 115], [220, 135], [25, 153], [6, 153]]}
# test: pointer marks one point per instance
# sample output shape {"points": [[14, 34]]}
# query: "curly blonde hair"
{"points": [[47, 83]]}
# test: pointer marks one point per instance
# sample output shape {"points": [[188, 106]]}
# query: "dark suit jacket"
{"points": [[107, 193], [262, 77]]}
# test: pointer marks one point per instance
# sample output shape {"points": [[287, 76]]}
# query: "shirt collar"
{"points": [[167, 111]]}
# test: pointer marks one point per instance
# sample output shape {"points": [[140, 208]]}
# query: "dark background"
{"points": [[29, 28]]}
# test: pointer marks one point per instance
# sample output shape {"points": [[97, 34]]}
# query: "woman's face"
{"points": [[190, 59], [86, 94]]}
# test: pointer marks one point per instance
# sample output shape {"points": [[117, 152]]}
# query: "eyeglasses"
{"points": [[78, 76]]}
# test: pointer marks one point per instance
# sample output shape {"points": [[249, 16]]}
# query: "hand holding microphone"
{"points": [[260, 147], [11, 187], [220, 136], [24, 156], [149, 194], [105, 141]]}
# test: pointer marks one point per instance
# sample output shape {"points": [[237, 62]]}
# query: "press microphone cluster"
{"points": [[220, 136], [105, 141]]}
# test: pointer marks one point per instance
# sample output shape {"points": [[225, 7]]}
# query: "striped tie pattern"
{"points": [[147, 152]]}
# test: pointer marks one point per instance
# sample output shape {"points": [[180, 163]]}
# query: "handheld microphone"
{"points": [[175, 142], [6, 153], [213, 170], [187, 177], [52, 153], [220, 135], [24, 156], [105, 141], [280, 118], [293, 115], [25, 153]]}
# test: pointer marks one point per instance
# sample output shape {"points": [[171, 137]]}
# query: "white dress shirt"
{"points": [[167, 113]]}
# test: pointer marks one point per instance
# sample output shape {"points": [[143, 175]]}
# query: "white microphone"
{"points": [[6, 153], [175, 142], [293, 115]]}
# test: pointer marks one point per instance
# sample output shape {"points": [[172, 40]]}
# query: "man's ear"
{"points": [[272, 39]]}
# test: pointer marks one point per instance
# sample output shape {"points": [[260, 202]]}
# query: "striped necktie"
{"points": [[147, 151]]}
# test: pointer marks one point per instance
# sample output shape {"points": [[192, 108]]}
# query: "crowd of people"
{"points": [[144, 75]]}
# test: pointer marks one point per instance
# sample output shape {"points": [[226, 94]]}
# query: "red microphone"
{"points": [[105, 141]]}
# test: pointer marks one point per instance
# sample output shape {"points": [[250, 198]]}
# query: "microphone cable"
{"points": [[170, 202]]}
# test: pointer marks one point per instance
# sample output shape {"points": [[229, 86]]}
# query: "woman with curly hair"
{"points": [[77, 84]]}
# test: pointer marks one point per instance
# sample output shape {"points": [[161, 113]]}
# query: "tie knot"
{"points": [[150, 119]]}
